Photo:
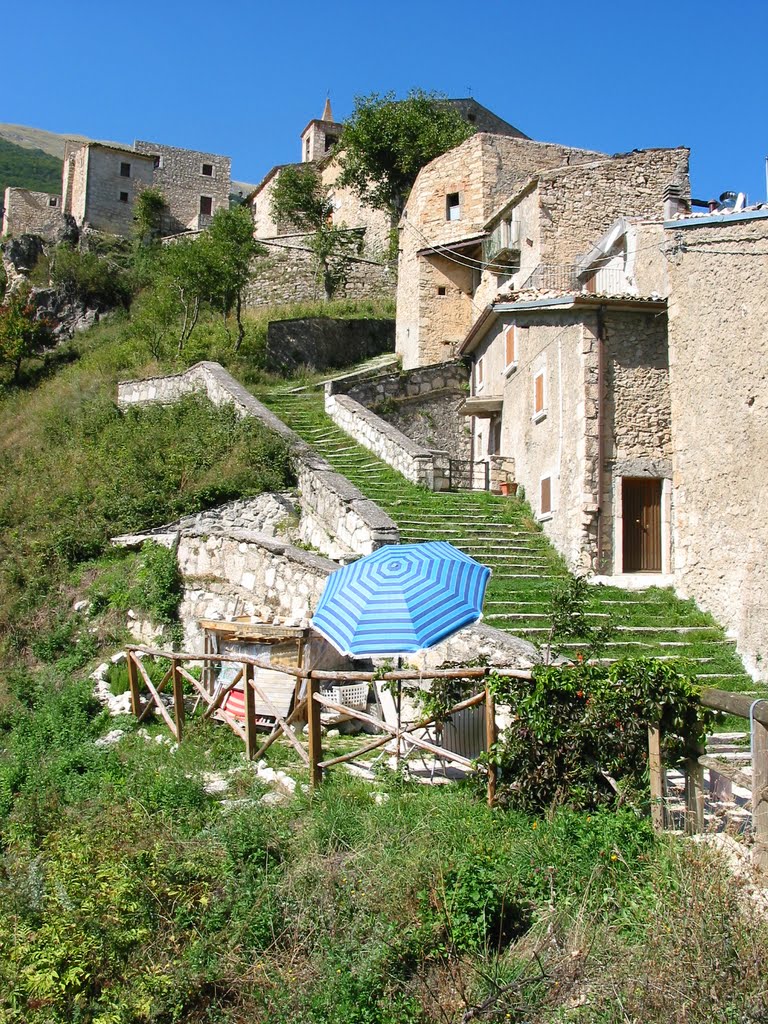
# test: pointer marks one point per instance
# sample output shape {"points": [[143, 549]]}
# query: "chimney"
{"points": [[674, 203]]}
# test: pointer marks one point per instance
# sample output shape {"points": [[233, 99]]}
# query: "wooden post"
{"points": [[133, 684], [657, 777], [760, 794], [490, 739], [315, 737], [694, 791], [178, 699], [251, 739]]}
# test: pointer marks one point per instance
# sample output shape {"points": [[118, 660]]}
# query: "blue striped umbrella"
{"points": [[401, 598]]}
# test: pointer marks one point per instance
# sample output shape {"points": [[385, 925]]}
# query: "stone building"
{"points": [[499, 212], [100, 183], [442, 232], [718, 344], [195, 185], [573, 390], [28, 212]]}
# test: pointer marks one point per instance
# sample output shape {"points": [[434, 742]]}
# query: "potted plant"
{"points": [[508, 487]]}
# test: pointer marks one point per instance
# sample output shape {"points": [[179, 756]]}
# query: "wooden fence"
{"points": [[309, 700]]}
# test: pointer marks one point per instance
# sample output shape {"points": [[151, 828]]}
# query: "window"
{"points": [[206, 205], [158, 162], [306, 149], [480, 374], [53, 201], [330, 140], [510, 349], [123, 197], [494, 436], [125, 170], [545, 497], [539, 396], [207, 170], [453, 206], [441, 289]]}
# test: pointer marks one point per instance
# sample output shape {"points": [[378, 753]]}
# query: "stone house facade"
{"points": [[718, 344], [442, 232], [100, 184], [195, 184], [484, 217], [574, 391]]}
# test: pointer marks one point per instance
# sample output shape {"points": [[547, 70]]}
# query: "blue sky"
{"points": [[244, 79]]}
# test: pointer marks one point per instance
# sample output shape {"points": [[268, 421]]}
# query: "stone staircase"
{"points": [[501, 533]]}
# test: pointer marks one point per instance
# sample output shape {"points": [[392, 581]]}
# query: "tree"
{"points": [[386, 142], [148, 213], [300, 199], [21, 335], [232, 250]]}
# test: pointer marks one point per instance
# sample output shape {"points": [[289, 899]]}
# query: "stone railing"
{"points": [[337, 519], [417, 464]]}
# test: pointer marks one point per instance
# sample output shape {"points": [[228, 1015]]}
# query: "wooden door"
{"points": [[641, 503]]}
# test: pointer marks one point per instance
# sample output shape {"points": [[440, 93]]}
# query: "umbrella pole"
{"points": [[399, 707]]}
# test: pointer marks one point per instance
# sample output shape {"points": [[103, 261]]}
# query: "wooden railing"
{"points": [[308, 702]]}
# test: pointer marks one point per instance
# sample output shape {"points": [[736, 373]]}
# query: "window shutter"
{"points": [[510, 354], [538, 394], [546, 495]]}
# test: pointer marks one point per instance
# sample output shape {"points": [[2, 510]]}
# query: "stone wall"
{"points": [[578, 204], [178, 174], [423, 404], [414, 462], [323, 343], [718, 337], [636, 422], [336, 518], [289, 273], [31, 213]]}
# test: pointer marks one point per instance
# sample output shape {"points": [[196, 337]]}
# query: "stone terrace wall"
{"points": [[336, 518], [324, 343], [718, 339], [31, 213], [417, 464], [242, 573], [288, 273], [423, 404]]}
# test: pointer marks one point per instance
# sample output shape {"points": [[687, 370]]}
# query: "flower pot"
{"points": [[508, 488]]}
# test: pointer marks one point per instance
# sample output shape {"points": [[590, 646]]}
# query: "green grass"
{"points": [[128, 894]]}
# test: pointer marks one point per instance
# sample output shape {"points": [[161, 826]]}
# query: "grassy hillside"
{"points": [[28, 168]]}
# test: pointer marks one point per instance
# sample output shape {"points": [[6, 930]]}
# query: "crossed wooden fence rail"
{"points": [[308, 702]]}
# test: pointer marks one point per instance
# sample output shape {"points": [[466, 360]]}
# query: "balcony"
{"points": [[567, 278]]}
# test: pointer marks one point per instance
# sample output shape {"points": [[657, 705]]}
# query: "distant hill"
{"points": [[38, 138], [28, 168]]}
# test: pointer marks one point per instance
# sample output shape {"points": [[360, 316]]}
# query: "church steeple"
{"points": [[327, 112]]}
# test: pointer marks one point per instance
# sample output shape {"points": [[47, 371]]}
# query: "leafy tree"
{"points": [[386, 142], [233, 248], [148, 213], [300, 199], [21, 335], [188, 276]]}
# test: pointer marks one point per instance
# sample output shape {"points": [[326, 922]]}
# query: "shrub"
{"points": [[90, 278], [580, 735]]}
